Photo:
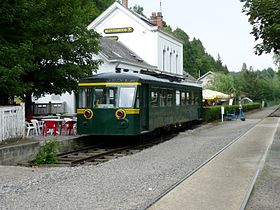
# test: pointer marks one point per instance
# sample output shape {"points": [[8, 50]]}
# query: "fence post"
{"points": [[22, 105], [222, 112]]}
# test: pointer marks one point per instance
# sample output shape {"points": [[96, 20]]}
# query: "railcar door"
{"points": [[144, 114]]}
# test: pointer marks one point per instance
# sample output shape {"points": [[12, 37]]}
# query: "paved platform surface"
{"points": [[225, 181], [267, 187]]}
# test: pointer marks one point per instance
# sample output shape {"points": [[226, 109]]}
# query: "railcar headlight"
{"points": [[88, 114], [124, 123], [120, 114]]}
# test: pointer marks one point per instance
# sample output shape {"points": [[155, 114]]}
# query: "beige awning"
{"points": [[214, 95]]}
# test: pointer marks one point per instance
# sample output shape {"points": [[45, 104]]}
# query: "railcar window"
{"points": [[137, 101], [178, 102], [162, 98], [85, 95], [183, 98], [154, 98], [193, 98], [196, 98], [105, 97], [169, 98], [127, 96], [188, 98]]}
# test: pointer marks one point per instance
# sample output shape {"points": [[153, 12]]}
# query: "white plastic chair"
{"points": [[41, 125], [29, 127], [36, 126], [66, 119]]}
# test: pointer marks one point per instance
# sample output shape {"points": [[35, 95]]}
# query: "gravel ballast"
{"points": [[131, 182]]}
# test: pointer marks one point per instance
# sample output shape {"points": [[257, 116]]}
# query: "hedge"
{"points": [[214, 112]]}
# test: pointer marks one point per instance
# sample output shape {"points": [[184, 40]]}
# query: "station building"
{"points": [[129, 43]]}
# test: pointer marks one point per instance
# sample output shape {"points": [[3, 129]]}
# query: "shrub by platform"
{"points": [[212, 113]]}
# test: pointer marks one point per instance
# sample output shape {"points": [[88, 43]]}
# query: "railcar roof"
{"points": [[131, 77]]}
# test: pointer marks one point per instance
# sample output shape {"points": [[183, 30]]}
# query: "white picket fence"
{"points": [[12, 122]]}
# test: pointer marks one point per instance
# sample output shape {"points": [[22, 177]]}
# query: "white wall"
{"points": [[141, 40], [106, 67], [173, 58], [207, 80], [145, 40]]}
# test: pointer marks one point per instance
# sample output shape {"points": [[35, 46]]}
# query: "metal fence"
{"points": [[12, 122]]}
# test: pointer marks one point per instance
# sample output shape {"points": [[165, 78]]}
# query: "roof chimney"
{"points": [[125, 3], [157, 19]]}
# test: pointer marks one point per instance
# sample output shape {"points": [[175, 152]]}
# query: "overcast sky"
{"points": [[219, 24]]}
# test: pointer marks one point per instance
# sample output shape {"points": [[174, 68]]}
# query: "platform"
{"points": [[225, 181], [24, 150]]}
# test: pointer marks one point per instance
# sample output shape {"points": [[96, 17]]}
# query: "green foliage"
{"points": [[196, 60], [139, 10], [257, 85], [251, 106], [264, 16], [212, 113], [45, 46], [222, 82], [47, 154]]}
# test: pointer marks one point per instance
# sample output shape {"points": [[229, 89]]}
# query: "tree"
{"points": [[139, 10], [222, 83], [271, 84], [277, 60], [252, 85], [264, 16], [219, 65], [196, 61], [45, 47]]}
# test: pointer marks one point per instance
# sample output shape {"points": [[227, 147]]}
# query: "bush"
{"points": [[47, 153], [212, 113]]}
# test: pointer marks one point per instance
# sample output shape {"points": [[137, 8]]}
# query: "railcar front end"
{"points": [[108, 108]]}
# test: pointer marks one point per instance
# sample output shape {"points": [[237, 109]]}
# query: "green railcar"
{"points": [[130, 104]]}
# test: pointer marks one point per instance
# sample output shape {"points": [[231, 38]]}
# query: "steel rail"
{"points": [[109, 151], [91, 158], [80, 150]]}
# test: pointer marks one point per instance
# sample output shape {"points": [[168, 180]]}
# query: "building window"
{"points": [[177, 64], [170, 65], [163, 60]]}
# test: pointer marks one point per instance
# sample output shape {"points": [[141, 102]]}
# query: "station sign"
{"points": [[118, 30], [113, 37]]}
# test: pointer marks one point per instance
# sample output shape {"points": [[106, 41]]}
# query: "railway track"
{"points": [[101, 153], [275, 113]]}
